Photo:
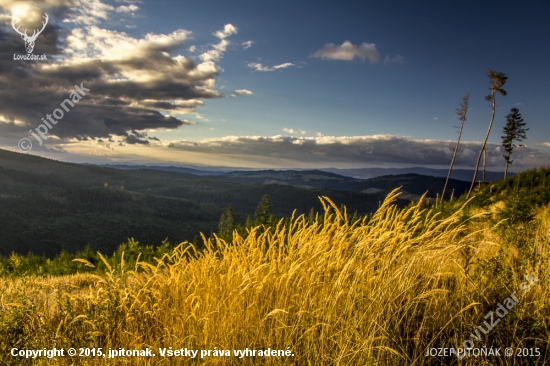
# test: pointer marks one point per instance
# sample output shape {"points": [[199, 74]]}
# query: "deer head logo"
{"points": [[29, 40]]}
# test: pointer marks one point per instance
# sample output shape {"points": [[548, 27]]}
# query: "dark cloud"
{"points": [[136, 137], [373, 150], [131, 81]]}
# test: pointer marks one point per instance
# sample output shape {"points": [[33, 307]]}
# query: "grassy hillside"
{"points": [[378, 291]]}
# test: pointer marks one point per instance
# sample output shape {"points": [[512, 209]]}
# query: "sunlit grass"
{"points": [[378, 291]]}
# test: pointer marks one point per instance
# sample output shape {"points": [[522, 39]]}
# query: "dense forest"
{"points": [[48, 206]]}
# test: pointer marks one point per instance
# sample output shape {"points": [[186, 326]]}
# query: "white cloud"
{"points": [[127, 9], [243, 92], [256, 66], [283, 66], [108, 45], [90, 12], [227, 30], [397, 59], [240, 92], [347, 51], [290, 130], [216, 53], [246, 45]]}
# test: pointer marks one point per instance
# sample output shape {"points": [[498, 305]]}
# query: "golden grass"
{"points": [[372, 293]]}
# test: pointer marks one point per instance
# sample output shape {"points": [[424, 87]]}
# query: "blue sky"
{"points": [[289, 84]]}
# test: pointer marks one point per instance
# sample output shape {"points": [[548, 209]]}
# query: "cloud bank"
{"points": [[348, 151]]}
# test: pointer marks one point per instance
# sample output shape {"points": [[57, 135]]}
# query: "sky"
{"points": [[272, 84]]}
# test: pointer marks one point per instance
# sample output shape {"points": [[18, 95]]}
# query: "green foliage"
{"points": [[311, 216], [85, 261], [513, 131], [531, 186], [264, 211], [497, 80], [518, 207], [47, 222], [227, 224]]}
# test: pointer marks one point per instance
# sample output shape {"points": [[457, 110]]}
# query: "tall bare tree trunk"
{"points": [[461, 112], [484, 164], [506, 169], [493, 102], [497, 81]]}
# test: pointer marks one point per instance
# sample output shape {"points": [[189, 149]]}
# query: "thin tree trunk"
{"points": [[452, 163], [484, 163], [465, 102], [506, 169], [484, 143]]}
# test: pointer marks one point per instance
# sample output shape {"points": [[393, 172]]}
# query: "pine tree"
{"points": [[513, 131], [263, 211], [311, 216], [249, 223], [227, 224]]}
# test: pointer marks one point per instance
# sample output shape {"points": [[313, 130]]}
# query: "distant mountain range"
{"points": [[460, 174], [361, 173], [413, 184], [171, 168]]}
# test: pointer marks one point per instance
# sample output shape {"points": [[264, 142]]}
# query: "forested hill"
{"points": [[411, 184], [47, 206]]}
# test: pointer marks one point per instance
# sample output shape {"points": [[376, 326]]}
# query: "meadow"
{"points": [[381, 290]]}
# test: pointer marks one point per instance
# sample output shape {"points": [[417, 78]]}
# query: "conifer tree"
{"points": [[263, 211], [513, 131], [249, 223], [311, 216], [227, 224]]}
